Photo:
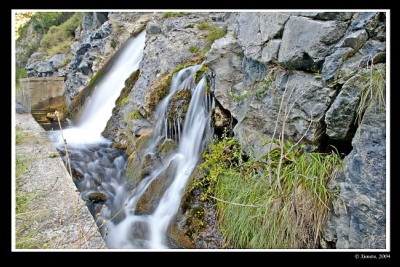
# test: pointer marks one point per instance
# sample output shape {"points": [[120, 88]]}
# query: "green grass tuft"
{"points": [[275, 202], [373, 93]]}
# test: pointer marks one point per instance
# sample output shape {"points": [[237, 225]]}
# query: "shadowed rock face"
{"points": [[360, 220]]}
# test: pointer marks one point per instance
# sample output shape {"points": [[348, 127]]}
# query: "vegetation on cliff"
{"points": [[278, 201], [58, 39]]}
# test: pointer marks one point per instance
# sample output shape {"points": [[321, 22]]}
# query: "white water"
{"points": [[98, 107], [192, 140], [103, 170], [197, 125]]}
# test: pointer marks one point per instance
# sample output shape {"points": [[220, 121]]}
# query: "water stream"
{"points": [[99, 169]]}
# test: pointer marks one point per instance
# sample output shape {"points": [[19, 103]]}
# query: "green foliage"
{"points": [[123, 101], [42, 21], [213, 33], [174, 14], [194, 49], [222, 155], [96, 78], [20, 73], [135, 115], [278, 201], [58, 39]]}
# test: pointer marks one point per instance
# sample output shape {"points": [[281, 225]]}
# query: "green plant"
{"points": [[135, 115], [174, 14], [374, 90], [96, 78], [194, 49], [213, 33], [238, 98], [58, 39], [277, 201], [221, 155]]}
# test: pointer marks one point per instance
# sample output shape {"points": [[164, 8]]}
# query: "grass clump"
{"points": [[194, 49], [213, 33], [373, 93], [279, 201]]}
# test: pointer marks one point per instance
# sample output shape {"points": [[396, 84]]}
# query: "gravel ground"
{"points": [[55, 216]]}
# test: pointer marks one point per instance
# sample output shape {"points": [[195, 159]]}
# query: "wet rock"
{"points": [[77, 173], [148, 202], [195, 225], [97, 197], [156, 92], [179, 105]]}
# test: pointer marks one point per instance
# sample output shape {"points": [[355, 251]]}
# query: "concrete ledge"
{"points": [[41, 79], [55, 216]]}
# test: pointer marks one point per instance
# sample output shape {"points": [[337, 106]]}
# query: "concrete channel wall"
{"points": [[53, 216], [36, 90]]}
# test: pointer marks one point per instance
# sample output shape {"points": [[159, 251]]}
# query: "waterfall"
{"points": [[196, 126], [99, 169], [149, 231], [98, 108]]}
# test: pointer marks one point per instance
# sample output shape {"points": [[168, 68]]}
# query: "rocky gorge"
{"points": [[316, 78]]}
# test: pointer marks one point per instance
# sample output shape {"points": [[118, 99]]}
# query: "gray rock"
{"points": [[253, 70], [354, 40], [58, 60], [340, 117], [359, 218], [306, 43], [20, 109], [341, 16], [255, 29], [270, 51], [225, 60], [333, 63], [44, 68], [93, 20], [153, 28], [293, 104], [82, 49], [85, 66]]}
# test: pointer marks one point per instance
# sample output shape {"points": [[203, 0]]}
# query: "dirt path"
{"points": [[49, 213]]}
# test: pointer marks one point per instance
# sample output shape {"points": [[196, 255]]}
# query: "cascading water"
{"points": [[99, 170], [98, 108], [149, 231]]}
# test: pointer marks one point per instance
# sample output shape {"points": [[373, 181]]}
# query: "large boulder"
{"points": [[306, 42]]}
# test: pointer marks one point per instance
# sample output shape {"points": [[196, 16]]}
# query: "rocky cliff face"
{"points": [[297, 74], [302, 75]]}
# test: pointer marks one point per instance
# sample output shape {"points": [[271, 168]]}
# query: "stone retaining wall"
{"points": [[36, 90]]}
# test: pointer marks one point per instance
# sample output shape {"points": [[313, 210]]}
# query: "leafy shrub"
{"points": [[58, 39]]}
